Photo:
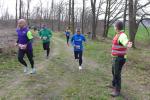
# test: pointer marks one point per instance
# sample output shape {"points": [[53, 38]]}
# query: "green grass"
{"points": [[60, 79], [141, 36], [91, 85], [94, 88], [10, 61], [137, 55], [136, 65]]}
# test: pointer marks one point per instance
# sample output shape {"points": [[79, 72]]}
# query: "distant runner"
{"points": [[45, 35], [67, 33]]}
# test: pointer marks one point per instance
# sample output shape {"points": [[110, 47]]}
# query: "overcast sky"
{"points": [[11, 4]]}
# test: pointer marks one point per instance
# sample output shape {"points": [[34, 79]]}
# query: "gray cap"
{"points": [[78, 29]]}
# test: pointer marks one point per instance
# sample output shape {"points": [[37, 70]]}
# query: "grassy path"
{"points": [[58, 78]]}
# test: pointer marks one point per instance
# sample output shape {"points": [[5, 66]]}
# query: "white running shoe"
{"points": [[26, 69], [33, 71], [80, 67]]}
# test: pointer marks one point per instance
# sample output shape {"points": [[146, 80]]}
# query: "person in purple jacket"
{"points": [[24, 44]]}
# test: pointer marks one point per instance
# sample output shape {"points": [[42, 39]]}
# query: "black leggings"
{"points": [[46, 47], [78, 55], [117, 65], [29, 54], [67, 37]]}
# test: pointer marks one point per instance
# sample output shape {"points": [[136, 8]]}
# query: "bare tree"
{"points": [[78, 16], [88, 20], [95, 15], [83, 12], [6, 15], [20, 9], [66, 15], [59, 13], [136, 17], [114, 9], [41, 11], [16, 11], [23, 9], [52, 14], [93, 6], [47, 10], [125, 14], [73, 30], [69, 12], [28, 8], [2, 7]]}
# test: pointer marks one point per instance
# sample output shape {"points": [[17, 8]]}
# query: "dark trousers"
{"points": [[78, 55], [117, 64], [67, 37], [29, 53], [46, 46]]}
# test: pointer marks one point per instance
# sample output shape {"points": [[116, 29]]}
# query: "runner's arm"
{"points": [[50, 33], [40, 34], [84, 39], [30, 37], [17, 41], [72, 40]]}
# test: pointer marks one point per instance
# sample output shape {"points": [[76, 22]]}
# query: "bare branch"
{"points": [[148, 3], [145, 28]]}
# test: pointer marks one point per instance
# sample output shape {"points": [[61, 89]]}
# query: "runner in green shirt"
{"points": [[45, 35]]}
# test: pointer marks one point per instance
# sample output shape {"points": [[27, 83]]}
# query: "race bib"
{"points": [[77, 46], [44, 38], [22, 47]]}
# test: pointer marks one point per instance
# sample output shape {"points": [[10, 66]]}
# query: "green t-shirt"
{"points": [[45, 35]]}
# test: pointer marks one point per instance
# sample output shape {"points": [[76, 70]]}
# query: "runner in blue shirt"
{"points": [[77, 42], [67, 33]]}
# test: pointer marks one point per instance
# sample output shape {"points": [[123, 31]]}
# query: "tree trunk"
{"points": [[125, 14], [93, 6], [83, 16], [52, 14], [28, 8], [73, 30], [69, 13], [41, 11], [93, 27], [20, 9], [107, 19], [131, 22], [133, 25], [16, 11], [59, 20]]}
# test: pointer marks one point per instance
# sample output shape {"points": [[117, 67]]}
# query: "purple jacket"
{"points": [[22, 37]]}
